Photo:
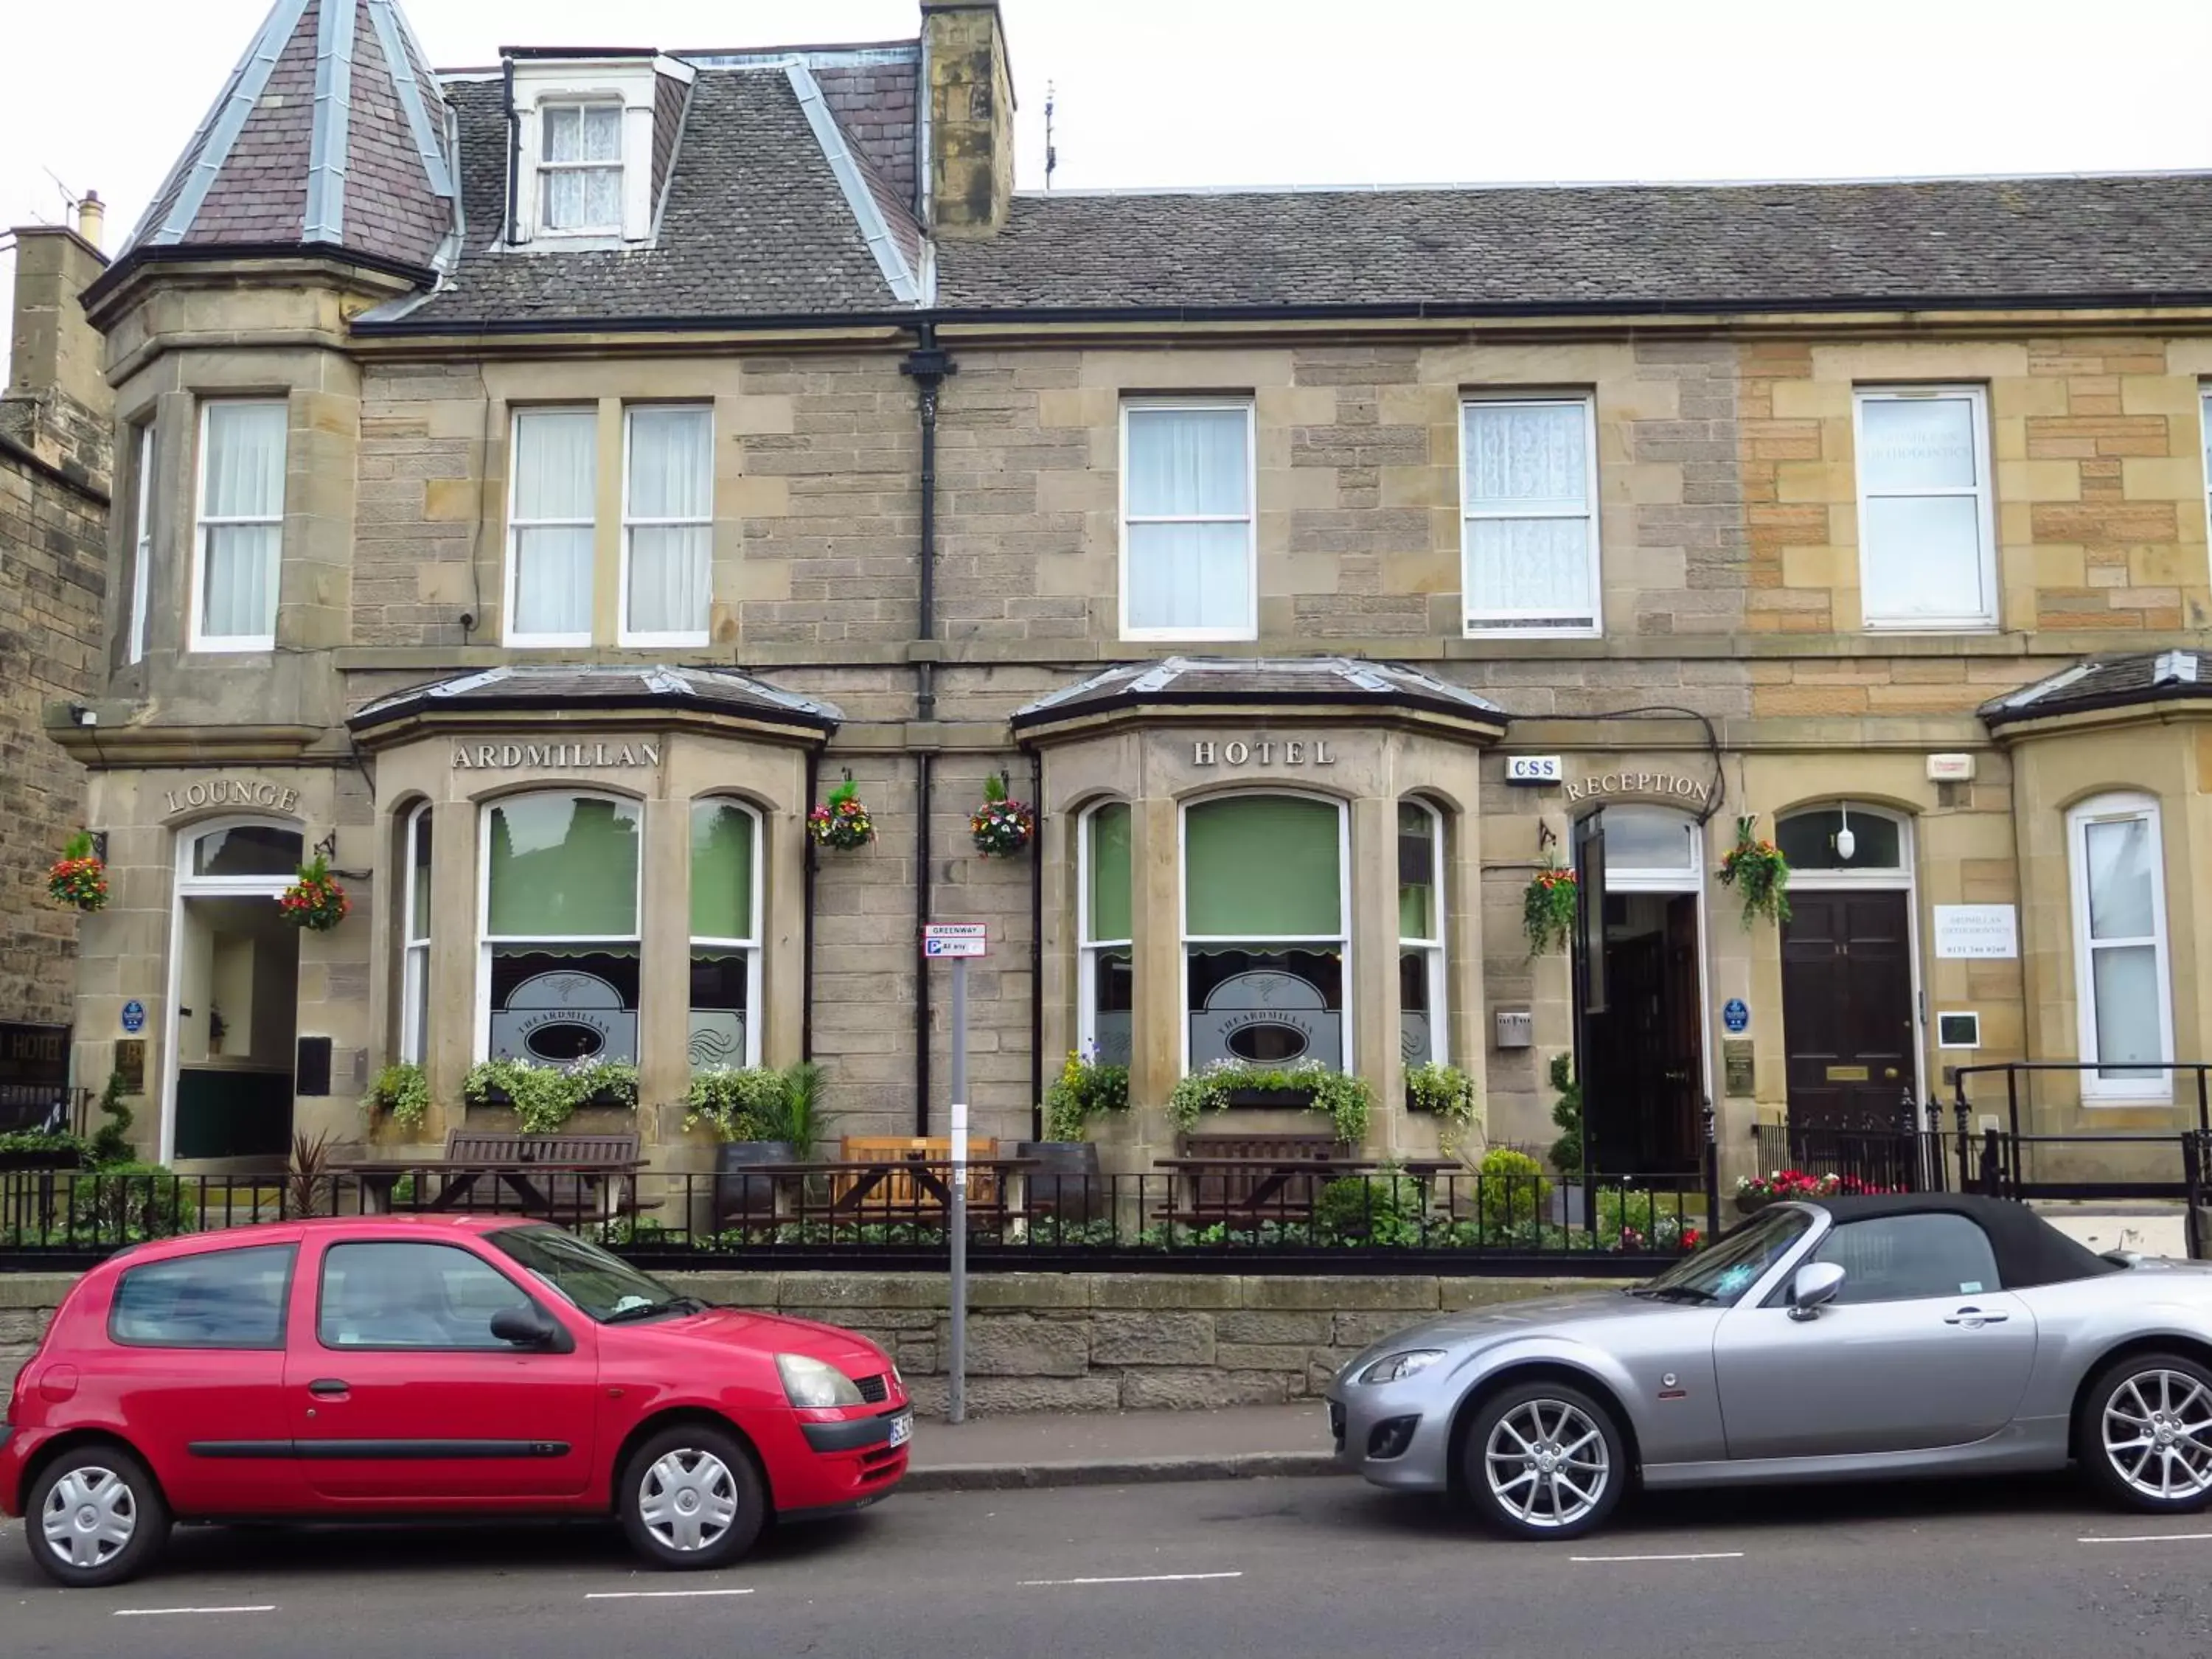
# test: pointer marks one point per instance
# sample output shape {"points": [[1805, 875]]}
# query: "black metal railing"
{"points": [[1388, 1221], [1863, 1160], [2028, 1160]]}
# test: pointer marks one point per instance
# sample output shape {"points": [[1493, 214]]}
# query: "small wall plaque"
{"points": [[130, 1060], [1957, 1030], [1516, 1028], [1736, 1069]]}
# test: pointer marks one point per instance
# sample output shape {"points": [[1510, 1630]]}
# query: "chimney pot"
{"points": [[91, 217]]}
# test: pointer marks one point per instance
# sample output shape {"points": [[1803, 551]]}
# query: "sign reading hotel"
{"points": [[1641, 783], [1263, 751], [535, 757], [1985, 932]]}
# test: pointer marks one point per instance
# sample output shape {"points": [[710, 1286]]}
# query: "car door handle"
{"points": [[327, 1386], [1974, 1318]]}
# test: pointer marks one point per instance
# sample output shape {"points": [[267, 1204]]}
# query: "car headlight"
{"points": [[1397, 1367], [810, 1382]]}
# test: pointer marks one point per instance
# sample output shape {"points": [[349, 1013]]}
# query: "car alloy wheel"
{"points": [[1544, 1460], [2155, 1424], [95, 1517], [691, 1498]]}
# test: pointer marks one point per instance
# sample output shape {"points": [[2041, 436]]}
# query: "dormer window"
{"points": [[580, 172]]}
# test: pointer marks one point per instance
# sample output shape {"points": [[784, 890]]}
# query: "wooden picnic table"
{"points": [[1266, 1196], [930, 1177], [458, 1181]]}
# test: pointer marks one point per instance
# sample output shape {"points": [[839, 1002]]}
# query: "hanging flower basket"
{"points": [[1547, 910], [1757, 869], [79, 878], [843, 823], [1003, 827], [314, 900]]}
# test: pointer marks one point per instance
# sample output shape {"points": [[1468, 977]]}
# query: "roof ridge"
{"points": [[1432, 187]]}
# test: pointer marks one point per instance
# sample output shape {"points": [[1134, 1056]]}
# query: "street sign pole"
{"points": [[957, 1362]]}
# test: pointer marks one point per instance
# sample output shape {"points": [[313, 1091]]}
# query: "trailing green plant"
{"points": [[1756, 868], [1566, 1153], [1548, 908], [111, 1142], [44, 1141], [402, 1093], [544, 1097], [1345, 1099], [1514, 1188], [737, 1103], [1444, 1089], [1087, 1087]]}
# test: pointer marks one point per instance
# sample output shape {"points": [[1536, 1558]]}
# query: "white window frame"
{"points": [[486, 939], [509, 635], [2115, 807], [685, 637], [1342, 938], [755, 1016], [142, 556], [1479, 624], [1089, 949], [1250, 628], [202, 524], [544, 167], [414, 951], [1434, 950], [1982, 492], [2204, 443]]}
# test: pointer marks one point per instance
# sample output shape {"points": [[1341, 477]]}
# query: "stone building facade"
{"points": [[56, 471], [1320, 565]]}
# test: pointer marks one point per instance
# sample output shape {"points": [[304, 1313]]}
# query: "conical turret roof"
{"points": [[333, 131]]}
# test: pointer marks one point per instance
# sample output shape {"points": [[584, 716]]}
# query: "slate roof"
{"points": [[1286, 680], [553, 688], [330, 132], [2146, 677], [1585, 247]]}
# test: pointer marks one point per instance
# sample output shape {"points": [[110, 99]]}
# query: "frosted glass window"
{"points": [[1107, 999], [241, 526], [1648, 838], [1186, 546], [1420, 934], [142, 550], [1528, 497], [579, 167], [550, 527], [2120, 948], [668, 531], [1924, 536], [724, 934], [415, 942]]}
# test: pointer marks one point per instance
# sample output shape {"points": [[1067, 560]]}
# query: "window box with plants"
{"points": [[544, 1097], [1303, 1085], [42, 1149], [759, 1116], [401, 1096]]}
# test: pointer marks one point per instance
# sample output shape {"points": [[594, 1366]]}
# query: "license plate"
{"points": [[902, 1428]]}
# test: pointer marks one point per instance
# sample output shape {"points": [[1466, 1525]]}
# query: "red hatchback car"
{"points": [[392, 1367]]}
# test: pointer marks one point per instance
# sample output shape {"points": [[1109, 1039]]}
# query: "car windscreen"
{"points": [[1721, 1274], [604, 1287]]}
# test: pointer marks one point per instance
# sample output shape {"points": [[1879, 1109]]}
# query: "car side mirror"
{"points": [[523, 1327], [1815, 1286]]}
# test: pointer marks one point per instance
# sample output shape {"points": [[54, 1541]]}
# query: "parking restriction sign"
{"points": [[954, 939]]}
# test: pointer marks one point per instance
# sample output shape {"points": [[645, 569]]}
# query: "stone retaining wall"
{"points": [[1051, 1342]]}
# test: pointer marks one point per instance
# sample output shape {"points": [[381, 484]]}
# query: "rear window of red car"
{"points": [[217, 1299]]}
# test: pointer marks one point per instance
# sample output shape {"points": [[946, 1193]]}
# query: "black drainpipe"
{"points": [[927, 366], [1037, 946], [514, 149], [806, 1004]]}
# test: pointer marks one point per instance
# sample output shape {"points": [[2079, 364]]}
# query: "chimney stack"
{"points": [[91, 217], [970, 110], [55, 349]]}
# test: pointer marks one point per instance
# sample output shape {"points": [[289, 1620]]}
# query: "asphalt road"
{"points": [[1282, 1569]]}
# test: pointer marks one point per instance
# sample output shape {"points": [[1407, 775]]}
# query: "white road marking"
{"points": [[659, 1596], [163, 1612], [2151, 1538], [1145, 1578], [1711, 1555]]}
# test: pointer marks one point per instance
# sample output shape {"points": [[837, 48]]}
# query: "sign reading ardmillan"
{"points": [[511, 757]]}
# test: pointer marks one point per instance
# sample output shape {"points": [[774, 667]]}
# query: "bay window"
{"points": [[414, 940], [239, 538], [1105, 994], [1422, 1035], [142, 549], [1528, 507], [1926, 547], [1188, 551], [549, 527], [668, 511], [558, 935], [2121, 975], [580, 169], [1266, 934], [724, 934]]}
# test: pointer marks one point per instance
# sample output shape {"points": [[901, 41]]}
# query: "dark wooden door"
{"points": [[1847, 1010], [1682, 1063]]}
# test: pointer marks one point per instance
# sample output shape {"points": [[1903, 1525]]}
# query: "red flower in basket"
{"points": [[78, 878], [314, 900], [843, 822]]}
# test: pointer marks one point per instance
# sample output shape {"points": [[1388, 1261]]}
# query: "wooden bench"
{"points": [[558, 1176], [898, 1196]]}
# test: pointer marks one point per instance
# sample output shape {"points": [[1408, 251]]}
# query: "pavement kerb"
{"points": [[1116, 1471]]}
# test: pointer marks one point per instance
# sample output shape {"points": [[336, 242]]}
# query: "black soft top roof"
{"points": [[2029, 1249]]}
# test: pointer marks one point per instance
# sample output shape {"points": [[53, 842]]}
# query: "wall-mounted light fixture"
{"points": [[1846, 842]]}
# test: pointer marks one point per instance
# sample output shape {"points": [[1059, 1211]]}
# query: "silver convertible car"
{"points": [[1836, 1339]]}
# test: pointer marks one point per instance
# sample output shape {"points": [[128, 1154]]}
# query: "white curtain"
{"points": [[672, 477], [1189, 536], [2123, 906], [2120, 896], [554, 498], [1527, 499], [588, 197], [1923, 528], [242, 509]]}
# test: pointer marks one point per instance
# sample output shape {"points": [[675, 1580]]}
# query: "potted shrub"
{"points": [[758, 1115], [1303, 1085], [544, 1097], [1066, 1180], [402, 1093]]}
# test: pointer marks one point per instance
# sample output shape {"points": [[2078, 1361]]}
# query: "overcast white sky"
{"points": [[1229, 92]]}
